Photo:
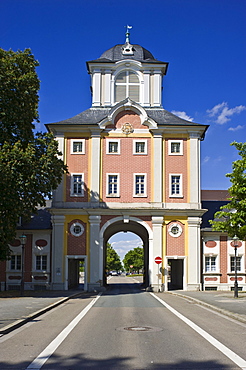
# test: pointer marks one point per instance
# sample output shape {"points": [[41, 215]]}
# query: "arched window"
{"points": [[127, 85]]}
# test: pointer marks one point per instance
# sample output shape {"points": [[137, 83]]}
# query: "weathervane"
{"points": [[128, 34]]}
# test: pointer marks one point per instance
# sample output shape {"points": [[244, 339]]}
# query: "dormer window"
{"points": [[127, 85]]}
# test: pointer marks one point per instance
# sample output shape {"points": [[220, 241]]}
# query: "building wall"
{"points": [[220, 276]]}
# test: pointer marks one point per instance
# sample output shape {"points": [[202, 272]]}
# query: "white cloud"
{"points": [[206, 159], [124, 246], [222, 112], [239, 127], [182, 115]]}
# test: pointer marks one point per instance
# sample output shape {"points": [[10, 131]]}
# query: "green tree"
{"points": [[113, 259], [232, 217], [29, 163], [134, 257]]}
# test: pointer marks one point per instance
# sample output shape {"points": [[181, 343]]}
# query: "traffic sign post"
{"points": [[158, 260]]}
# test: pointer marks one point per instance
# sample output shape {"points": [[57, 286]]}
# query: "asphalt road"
{"points": [[126, 328]]}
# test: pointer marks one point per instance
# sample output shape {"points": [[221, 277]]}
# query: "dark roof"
{"points": [[114, 54], [96, 115], [163, 117], [212, 206], [39, 221]]}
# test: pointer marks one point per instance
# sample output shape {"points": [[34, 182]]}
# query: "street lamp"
{"points": [[235, 245], [23, 243]]}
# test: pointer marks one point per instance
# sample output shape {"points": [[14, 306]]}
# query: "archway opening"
{"points": [[124, 242], [128, 235]]}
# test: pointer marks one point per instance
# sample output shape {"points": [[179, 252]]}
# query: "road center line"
{"points": [[50, 349], [239, 361]]}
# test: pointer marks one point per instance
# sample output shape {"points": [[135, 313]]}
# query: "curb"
{"points": [[18, 323], [230, 314]]}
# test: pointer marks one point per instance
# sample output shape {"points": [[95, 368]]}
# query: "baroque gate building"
{"points": [[133, 166]]}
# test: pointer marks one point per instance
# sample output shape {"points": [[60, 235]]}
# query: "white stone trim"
{"points": [[135, 195], [72, 183], [77, 141], [170, 141], [180, 195], [145, 141], [108, 140], [107, 185]]}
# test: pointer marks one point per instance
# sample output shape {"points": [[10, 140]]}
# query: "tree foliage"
{"points": [[232, 217], [113, 259], [29, 164], [135, 258]]}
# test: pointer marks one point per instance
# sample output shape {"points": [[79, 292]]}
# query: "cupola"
{"points": [[126, 71]]}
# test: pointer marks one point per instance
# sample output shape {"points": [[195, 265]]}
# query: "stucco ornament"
{"points": [[175, 230], [127, 128]]}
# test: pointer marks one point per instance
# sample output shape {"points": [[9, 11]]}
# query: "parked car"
{"points": [[113, 273]]}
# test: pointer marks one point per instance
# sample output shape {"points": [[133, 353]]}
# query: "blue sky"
{"points": [[203, 41]]}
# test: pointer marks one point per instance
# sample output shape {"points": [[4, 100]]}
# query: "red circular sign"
{"points": [[158, 260]]}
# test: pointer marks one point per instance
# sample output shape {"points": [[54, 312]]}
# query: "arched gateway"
{"points": [[136, 226], [133, 166]]}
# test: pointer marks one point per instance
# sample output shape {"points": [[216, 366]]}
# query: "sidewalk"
{"points": [[15, 311], [220, 301]]}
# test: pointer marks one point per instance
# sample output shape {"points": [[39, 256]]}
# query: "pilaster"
{"points": [[157, 175], [107, 88], [157, 89], [146, 99], [95, 166], [96, 255], [58, 222], [194, 254], [96, 88], [194, 180], [155, 251]]}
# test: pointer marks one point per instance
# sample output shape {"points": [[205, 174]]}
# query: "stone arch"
{"points": [[131, 224]]}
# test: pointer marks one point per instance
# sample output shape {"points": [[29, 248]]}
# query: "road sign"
{"points": [[158, 260]]}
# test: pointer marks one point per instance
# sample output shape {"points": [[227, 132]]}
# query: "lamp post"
{"points": [[235, 245], [23, 243]]}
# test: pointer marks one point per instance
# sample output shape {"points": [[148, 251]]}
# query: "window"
{"points": [[233, 264], [175, 185], [175, 230], [41, 263], [113, 146], [113, 185], [77, 229], [140, 147], [78, 146], [210, 264], [175, 147], [15, 262], [139, 185], [77, 185], [127, 85]]}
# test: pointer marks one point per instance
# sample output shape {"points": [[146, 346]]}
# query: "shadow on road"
{"points": [[80, 362]]}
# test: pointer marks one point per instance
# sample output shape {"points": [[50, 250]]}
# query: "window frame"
{"points": [[113, 195], [127, 84], [16, 262], [139, 195], [170, 142], [211, 270], [108, 141], [72, 194], [77, 141], [135, 142], [239, 263], [41, 256], [176, 195]]}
